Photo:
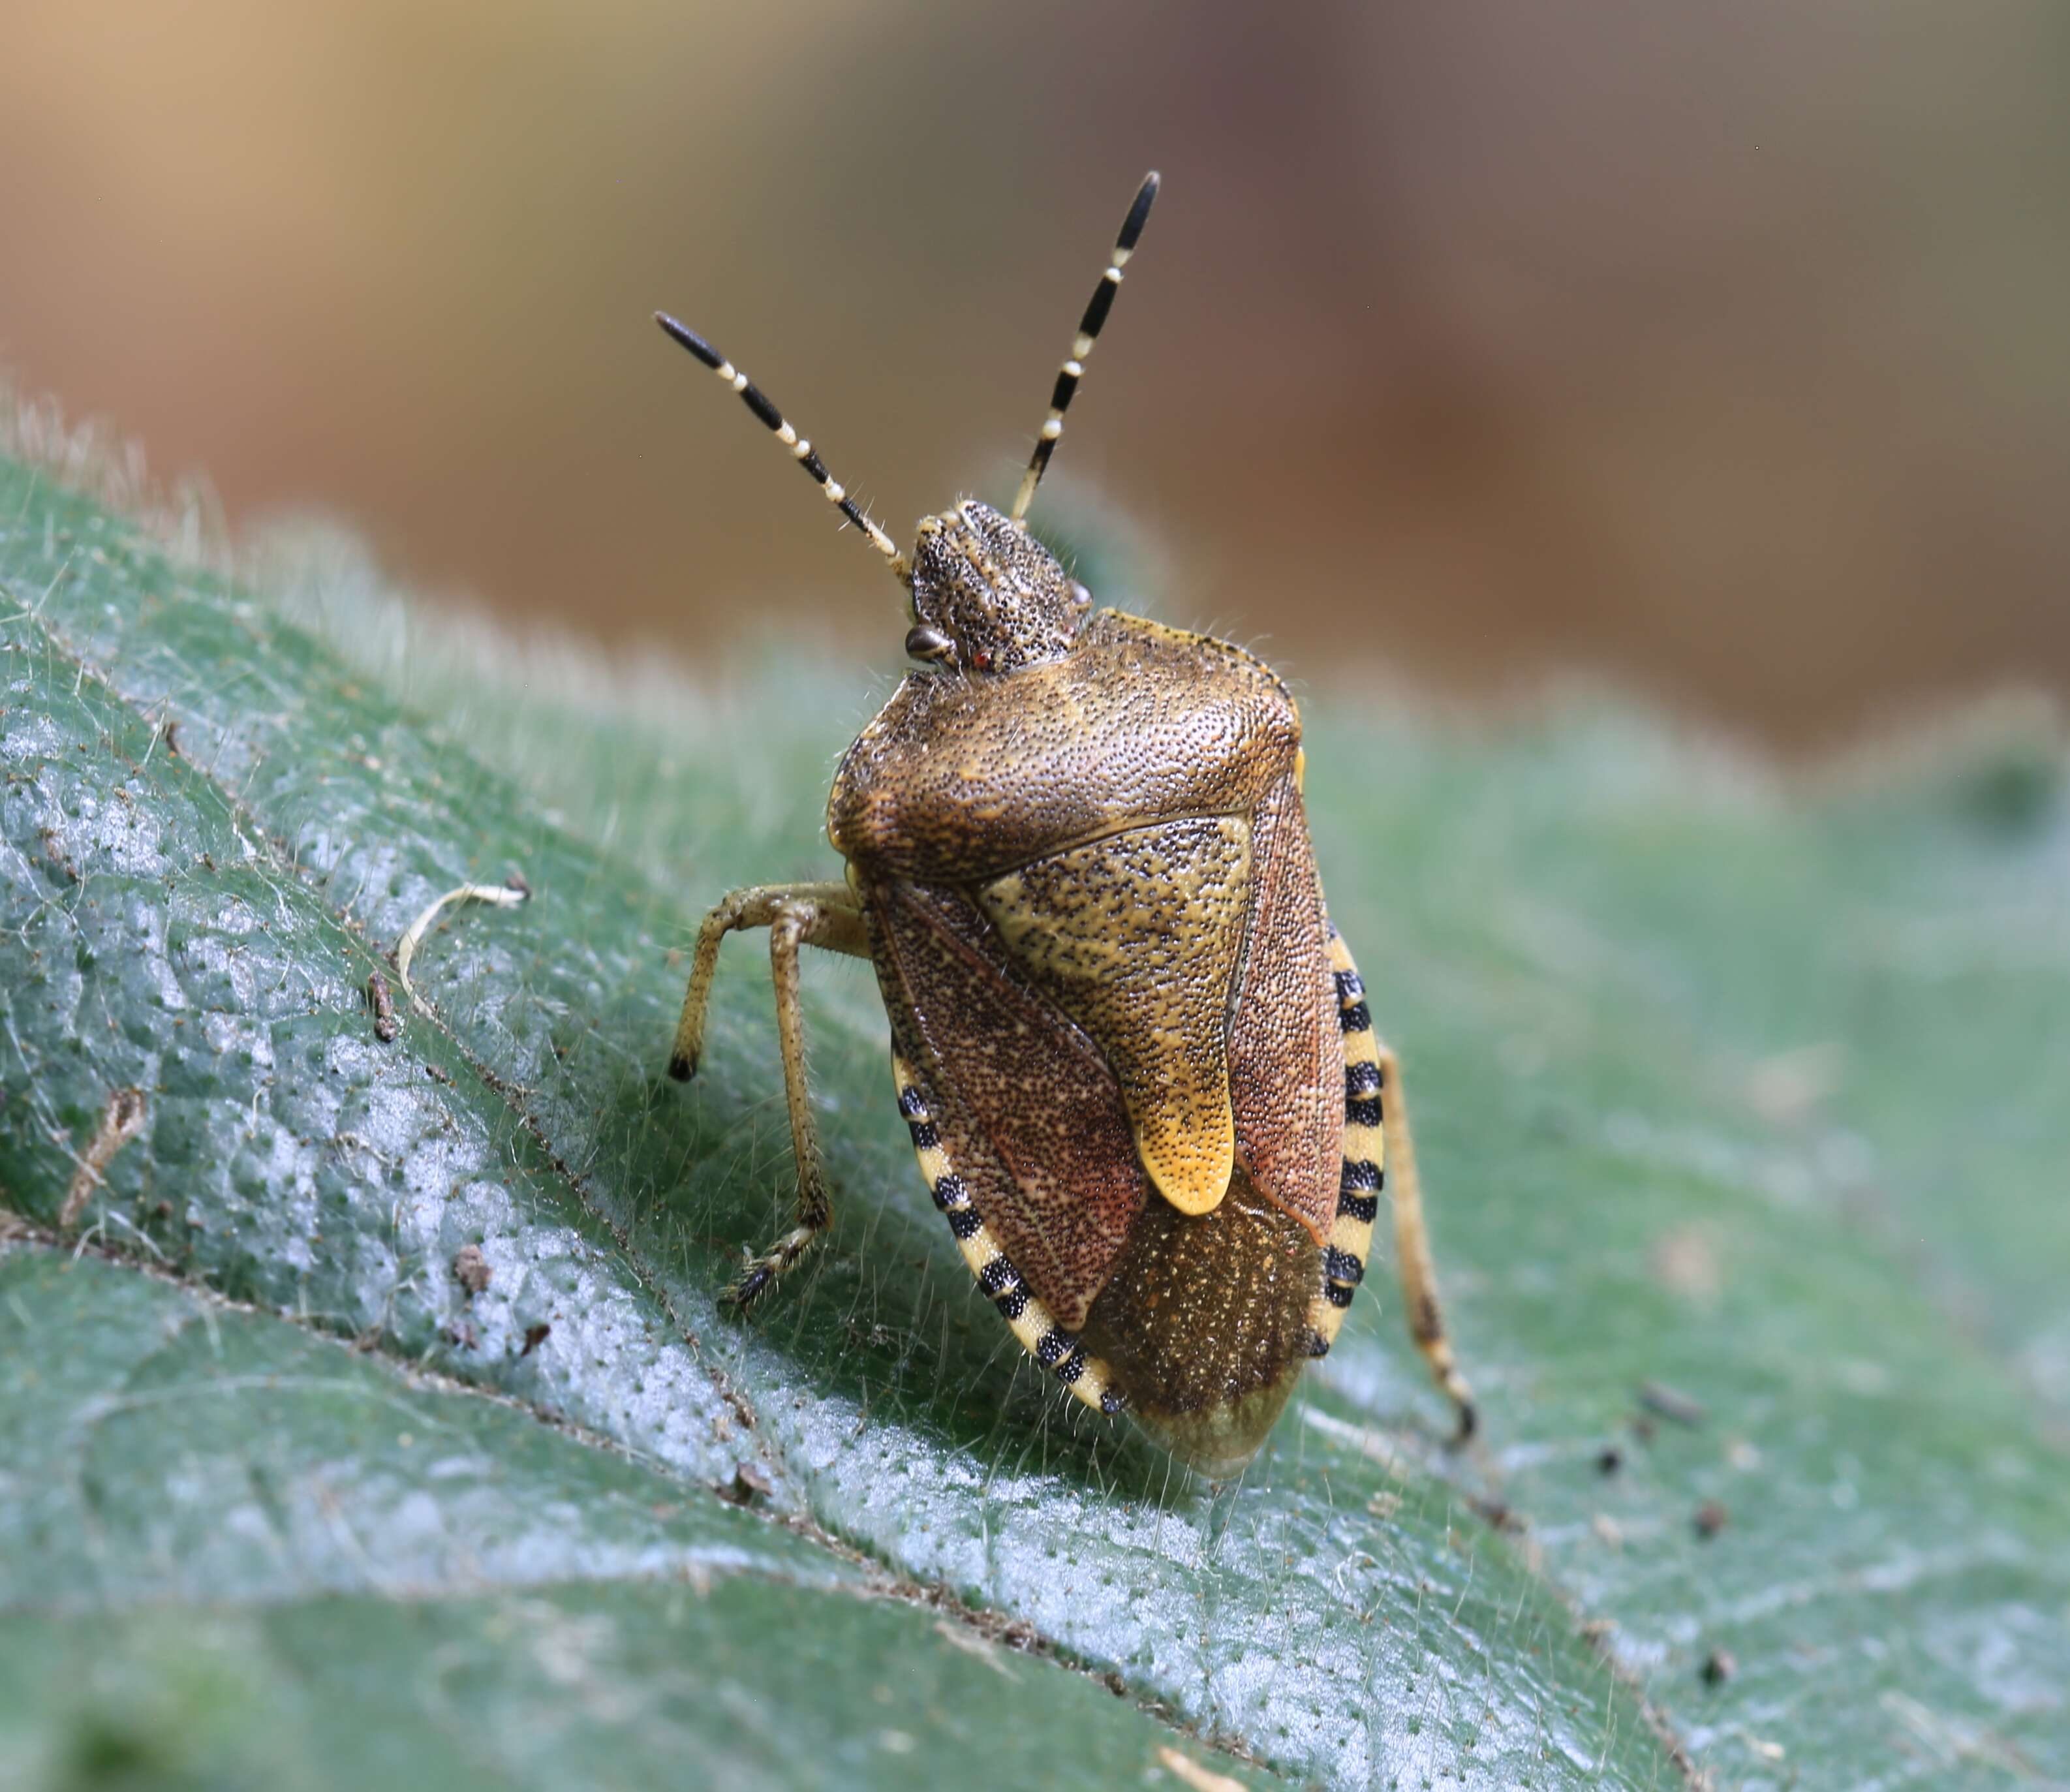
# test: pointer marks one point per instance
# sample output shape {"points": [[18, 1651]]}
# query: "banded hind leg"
{"points": [[826, 915], [1381, 1154]]}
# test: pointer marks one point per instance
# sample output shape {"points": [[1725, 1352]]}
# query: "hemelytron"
{"points": [[1136, 1061]]}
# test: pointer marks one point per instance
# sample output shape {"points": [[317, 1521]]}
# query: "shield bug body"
{"points": [[1136, 1059]]}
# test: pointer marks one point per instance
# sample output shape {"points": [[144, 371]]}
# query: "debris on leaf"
{"points": [[120, 1121], [963, 1637], [750, 1482], [1673, 1404], [1200, 1778], [1788, 1088], [502, 895], [1719, 1667], [1685, 1262], [1499, 1514], [385, 1026], [471, 1269], [1712, 1518], [534, 1336]]}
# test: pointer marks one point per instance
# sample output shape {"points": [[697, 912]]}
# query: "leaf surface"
{"points": [[1684, 1066]]}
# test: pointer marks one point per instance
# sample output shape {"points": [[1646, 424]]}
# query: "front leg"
{"points": [[755, 906], [809, 914]]}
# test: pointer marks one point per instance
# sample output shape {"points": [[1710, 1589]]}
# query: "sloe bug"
{"points": [[1135, 1058]]}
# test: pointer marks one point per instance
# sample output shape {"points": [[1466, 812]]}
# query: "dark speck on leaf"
{"points": [[1719, 1667], [1499, 1514], [534, 1336], [1712, 1518], [1671, 1403]]}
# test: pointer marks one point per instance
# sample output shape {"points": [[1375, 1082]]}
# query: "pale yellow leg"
{"points": [[799, 915], [753, 907], [1379, 1154], [1411, 1244]]}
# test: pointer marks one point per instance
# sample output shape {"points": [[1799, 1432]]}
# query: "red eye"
{"points": [[981, 660]]}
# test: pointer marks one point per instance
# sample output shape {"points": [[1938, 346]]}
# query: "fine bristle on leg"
{"points": [[1089, 326]]}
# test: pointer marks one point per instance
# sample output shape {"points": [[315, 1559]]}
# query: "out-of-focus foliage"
{"points": [[1718, 344]]}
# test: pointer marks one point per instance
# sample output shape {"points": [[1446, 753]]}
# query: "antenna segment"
{"points": [[1074, 369], [801, 450]]}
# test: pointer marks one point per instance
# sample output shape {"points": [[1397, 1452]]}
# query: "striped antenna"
{"points": [[1073, 370], [757, 401]]}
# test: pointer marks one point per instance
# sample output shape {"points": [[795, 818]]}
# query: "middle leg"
{"points": [[794, 924], [827, 915]]}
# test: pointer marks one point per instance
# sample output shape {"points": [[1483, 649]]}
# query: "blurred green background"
{"points": [[1720, 348]]}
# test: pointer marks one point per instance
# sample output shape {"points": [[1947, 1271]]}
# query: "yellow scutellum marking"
{"points": [[507, 895], [981, 1247], [1138, 937]]}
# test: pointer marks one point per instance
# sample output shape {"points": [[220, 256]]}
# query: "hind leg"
{"points": [[1380, 1153]]}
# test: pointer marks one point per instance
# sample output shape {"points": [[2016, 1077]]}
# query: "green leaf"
{"points": [[1698, 1064], [236, 1553]]}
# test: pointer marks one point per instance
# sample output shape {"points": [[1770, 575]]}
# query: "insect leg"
{"points": [[1379, 1152], [756, 907], [798, 922], [1412, 1245]]}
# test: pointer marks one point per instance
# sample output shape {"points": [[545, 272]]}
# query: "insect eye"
{"points": [[923, 643], [981, 660]]}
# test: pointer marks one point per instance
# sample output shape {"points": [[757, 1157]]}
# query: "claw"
{"points": [[1469, 1421], [753, 1283]]}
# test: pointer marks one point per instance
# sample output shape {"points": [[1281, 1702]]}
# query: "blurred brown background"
{"points": [[1722, 347]]}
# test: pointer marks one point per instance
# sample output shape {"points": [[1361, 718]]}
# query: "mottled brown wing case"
{"points": [[1286, 1052], [1029, 1114]]}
